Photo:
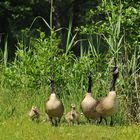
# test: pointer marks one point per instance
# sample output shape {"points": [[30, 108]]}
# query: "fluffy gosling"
{"points": [[34, 113], [73, 116]]}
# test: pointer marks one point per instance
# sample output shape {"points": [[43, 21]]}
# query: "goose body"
{"points": [[54, 107], [88, 107], [108, 105]]}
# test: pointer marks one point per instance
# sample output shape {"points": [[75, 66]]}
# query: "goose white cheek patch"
{"points": [[53, 94]]}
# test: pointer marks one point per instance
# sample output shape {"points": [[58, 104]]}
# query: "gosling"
{"points": [[54, 107], [34, 114], [73, 116], [108, 106]]}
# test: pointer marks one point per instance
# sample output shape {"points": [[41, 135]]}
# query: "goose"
{"points": [[108, 106], [88, 105], [54, 107], [34, 113], [73, 116]]}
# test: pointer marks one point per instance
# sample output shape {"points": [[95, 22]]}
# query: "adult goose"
{"points": [[108, 106], [88, 105], [54, 107]]}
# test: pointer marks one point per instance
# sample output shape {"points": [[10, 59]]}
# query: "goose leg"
{"points": [[59, 119], [101, 118], [88, 120], [73, 122], [96, 122], [55, 122], [105, 121], [52, 121], [78, 122], [111, 121]]}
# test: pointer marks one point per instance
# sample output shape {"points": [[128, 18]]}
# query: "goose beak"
{"points": [[73, 106]]}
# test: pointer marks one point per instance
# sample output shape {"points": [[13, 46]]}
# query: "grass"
{"points": [[24, 129], [25, 82]]}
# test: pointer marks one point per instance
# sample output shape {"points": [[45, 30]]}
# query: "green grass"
{"points": [[25, 82], [24, 129]]}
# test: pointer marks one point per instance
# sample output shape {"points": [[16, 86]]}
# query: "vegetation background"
{"points": [[68, 38]]}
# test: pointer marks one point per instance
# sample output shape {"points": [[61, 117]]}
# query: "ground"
{"points": [[24, 129]]}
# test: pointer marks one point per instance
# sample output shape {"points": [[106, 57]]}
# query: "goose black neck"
{"points": [[112, 87], [52, 85], [89, 84]]}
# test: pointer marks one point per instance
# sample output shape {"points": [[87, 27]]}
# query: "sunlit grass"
{"points": [[24, 129]]}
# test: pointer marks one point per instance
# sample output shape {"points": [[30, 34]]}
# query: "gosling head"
{"points": [[73, 106], [34, 114], [35, 110]]}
